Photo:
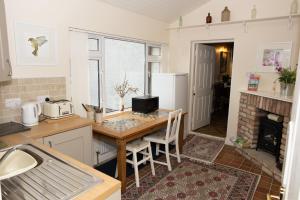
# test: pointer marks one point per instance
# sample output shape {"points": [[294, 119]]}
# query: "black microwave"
{"points": [[145, 104]]}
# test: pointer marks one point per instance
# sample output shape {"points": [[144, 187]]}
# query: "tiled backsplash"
{"points": [[28, 90]]}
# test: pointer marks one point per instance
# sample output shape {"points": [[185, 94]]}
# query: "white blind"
{"points": [[79, 71], [122, 57]]}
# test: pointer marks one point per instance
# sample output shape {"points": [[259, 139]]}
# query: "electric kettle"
{"points": [[30, 113]]}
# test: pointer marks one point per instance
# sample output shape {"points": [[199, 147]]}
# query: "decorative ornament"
{"points": [[208, 18], [253, 12], [225, 15], [294, 7], [180, 22]]}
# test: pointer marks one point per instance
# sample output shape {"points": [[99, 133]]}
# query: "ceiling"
{"points": [[164, 10]]}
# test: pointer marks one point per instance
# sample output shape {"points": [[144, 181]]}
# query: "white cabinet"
{"points": [[75, 143], [5, 65]]}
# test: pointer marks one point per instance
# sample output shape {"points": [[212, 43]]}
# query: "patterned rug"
{"points": [[202, 148], [192, 180]]}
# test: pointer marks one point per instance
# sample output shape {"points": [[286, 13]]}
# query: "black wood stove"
{"points": [[269, 138]]}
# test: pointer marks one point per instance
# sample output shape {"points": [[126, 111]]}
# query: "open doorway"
{"points": [[211, 83]]}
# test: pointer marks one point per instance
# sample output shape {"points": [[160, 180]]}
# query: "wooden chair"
{"points": [[133, 148], [168, 136]]}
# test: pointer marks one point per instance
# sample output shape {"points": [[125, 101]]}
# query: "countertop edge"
{"points": [[45, 129]]}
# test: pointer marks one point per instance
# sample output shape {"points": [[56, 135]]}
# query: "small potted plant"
{"points": [[123, 89], [287, 79]]}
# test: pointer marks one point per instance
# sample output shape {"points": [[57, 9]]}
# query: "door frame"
{"points": [[191, 76], [290, 177]]}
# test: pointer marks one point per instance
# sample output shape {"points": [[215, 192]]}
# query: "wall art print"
{"points": [[35, 45]]}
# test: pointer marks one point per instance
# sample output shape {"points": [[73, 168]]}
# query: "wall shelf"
{"points": [[245, 21]]}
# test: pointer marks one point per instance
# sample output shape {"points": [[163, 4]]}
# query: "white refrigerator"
{"points": [[172, 90]]}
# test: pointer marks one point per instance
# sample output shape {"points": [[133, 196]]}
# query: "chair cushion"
{"points": [[137, 145], [155, 137]]}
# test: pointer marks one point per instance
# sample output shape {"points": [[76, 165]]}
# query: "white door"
{"points": [[291, 175], [202, 83]]}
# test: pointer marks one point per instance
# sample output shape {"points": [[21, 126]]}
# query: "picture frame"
{"points": [[35, 45], [223, 61], [273, 55]]}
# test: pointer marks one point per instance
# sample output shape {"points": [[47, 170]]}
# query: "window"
{"points": [[111, 61], [153, 62], [94, 44], [95, 69], [94, 82], [123, 59]]}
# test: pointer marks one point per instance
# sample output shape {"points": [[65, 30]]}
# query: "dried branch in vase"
{"points": [[125, 88]]}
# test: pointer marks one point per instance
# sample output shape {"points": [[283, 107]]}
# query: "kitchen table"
{"points": [[127, 126]]}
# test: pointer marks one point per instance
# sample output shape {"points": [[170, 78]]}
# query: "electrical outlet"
{"points": [[41, 99], [13, 103]]}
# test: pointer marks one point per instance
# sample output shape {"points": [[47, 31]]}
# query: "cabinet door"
{"points": [[76, 143], [5, 65]]}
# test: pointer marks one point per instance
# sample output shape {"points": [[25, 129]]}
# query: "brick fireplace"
{"points": [[255, 105]]}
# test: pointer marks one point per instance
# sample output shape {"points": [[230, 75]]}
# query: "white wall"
{"points": [[86, 14], [246, 44], [239, 10]]}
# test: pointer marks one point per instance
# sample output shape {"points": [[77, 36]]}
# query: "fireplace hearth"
{"points": [[266, 137]]}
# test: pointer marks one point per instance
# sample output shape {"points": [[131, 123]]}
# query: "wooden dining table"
{"points": [[127, 126]]}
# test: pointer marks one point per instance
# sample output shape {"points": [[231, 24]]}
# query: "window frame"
{"points": [[100, 56], [152, 59]]}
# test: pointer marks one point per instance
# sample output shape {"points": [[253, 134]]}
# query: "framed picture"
{"points": [[274, 55], [35, 45], [223, 62]]}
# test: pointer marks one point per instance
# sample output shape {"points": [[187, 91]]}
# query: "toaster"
{"points": [[57, 109]]}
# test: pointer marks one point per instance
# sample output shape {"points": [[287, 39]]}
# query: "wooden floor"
{"points": [[217, 126], [267, 184]]}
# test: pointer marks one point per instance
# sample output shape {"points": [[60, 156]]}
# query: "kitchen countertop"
{"points": [[45, 129], [100, 191]]}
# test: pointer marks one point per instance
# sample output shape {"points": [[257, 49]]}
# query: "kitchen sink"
{"points": [[51, 178], [15, 163]]}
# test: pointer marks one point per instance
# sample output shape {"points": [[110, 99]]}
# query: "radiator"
{"points": [[104, 150]]}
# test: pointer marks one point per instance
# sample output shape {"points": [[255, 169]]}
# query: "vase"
{"points": [[121, 104], [225, 15], [286, 89], [294, 7], [208, 19], [180, 22], [90, 115], [253, 12], [98, 117]]}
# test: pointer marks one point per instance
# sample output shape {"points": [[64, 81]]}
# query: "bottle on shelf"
{"points": [[253, 12], [225, 15], [294, 7], [208, 18]]}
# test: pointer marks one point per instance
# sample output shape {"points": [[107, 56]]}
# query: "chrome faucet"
{"points": [[7, 153]]}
